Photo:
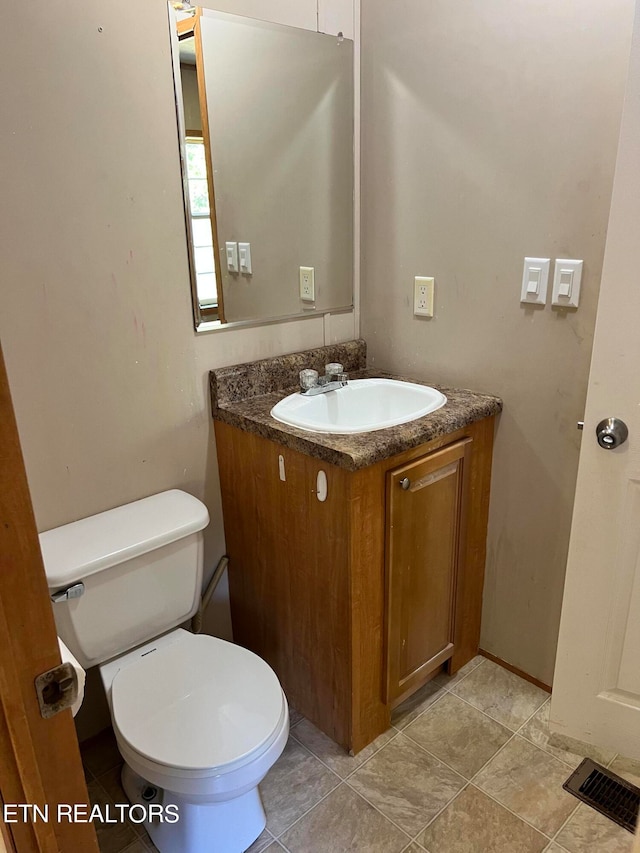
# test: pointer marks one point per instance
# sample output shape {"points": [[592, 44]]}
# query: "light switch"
{"points": [[244, 250], [232, 256], [566, 283], [533, 283], [535, 280], [566, 280]]}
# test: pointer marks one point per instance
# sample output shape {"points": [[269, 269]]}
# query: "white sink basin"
{"points": [[363, 405]]}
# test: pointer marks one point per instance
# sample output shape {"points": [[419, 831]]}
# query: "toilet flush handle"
{"points": [[73, 591]]}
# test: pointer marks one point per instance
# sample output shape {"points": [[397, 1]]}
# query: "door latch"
{"points": [[56, 689]]}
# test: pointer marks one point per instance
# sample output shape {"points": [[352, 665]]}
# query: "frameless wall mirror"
{"points": [[265, 117]]}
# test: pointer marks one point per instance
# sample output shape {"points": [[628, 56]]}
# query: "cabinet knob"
{"points": [[405, 483]]}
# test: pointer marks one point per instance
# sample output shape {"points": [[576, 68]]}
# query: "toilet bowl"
{"points": [[198, 721], [201, 721]]}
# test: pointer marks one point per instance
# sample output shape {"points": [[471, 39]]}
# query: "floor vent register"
{"points": [[601, 789]]}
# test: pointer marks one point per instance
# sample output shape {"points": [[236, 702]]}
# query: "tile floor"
{"points": [[467, 767]]}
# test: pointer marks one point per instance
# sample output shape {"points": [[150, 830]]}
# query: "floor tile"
{"points": [[111, 781], [100, 753], [589, 831], [333, 755], [416, 704], [144, 837], [529, 781], [138, 846], [473, 822], [112, 837], [295, 783], [449, 681], [294, 717], [502, 695], [627, 768], [344, 822], [458, 734], [537, 731], [262, 842], [406, 784]]}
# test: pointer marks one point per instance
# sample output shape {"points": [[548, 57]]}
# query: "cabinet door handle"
{"points": [[429, 479]]}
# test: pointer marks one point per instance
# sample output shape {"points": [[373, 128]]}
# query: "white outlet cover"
{"points": [[423, 287], [307, 284]]}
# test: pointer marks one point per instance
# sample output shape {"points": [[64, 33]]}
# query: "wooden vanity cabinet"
{"points": [[357, 600]]}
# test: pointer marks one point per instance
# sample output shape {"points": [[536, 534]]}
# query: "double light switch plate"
{"points": [[238, 257], [566, 282]]}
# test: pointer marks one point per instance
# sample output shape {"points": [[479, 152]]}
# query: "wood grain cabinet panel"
{"points": [[357, 600], [424, 509]]}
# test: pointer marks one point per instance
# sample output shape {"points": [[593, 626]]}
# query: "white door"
{"points": [[596, 690]]}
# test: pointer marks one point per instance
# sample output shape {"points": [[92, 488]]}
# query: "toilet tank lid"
{"points": [[75, 551]]}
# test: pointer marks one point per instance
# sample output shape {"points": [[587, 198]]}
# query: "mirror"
{"points": [[265, 116]]}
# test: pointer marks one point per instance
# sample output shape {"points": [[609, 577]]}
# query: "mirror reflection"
{"points": [[265, 114]]}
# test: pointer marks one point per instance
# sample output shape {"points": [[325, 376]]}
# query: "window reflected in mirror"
{"points": [[198, 182], [201, 232]]}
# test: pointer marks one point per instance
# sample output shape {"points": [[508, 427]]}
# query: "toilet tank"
{"points": [[141, 568]]}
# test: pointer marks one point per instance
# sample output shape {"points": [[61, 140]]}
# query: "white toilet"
{"points": [[198, 721]]}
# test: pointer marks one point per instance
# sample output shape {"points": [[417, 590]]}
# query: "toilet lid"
{"points": [[199, 703]]}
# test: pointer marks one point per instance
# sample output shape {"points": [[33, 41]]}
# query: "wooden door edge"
{"points": [[32, 749]]}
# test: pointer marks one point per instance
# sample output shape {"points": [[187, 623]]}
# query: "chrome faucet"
{"points": [[334, 378]]}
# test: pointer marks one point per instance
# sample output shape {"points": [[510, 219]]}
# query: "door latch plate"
{"points": [[57, 689]]}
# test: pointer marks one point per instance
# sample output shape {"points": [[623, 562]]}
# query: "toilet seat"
{"points": [[197, 706]]}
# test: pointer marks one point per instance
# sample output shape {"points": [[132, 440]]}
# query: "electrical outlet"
{"points": [[307, 284], [423, 296]]}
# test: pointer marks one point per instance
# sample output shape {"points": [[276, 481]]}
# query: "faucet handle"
{"points": [[333, 368], [308, 379]]}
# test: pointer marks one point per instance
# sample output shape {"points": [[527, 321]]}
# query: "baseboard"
{"points": [[515, 670]]}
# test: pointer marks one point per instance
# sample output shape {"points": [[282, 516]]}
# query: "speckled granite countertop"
{"points": [[243, 396]]}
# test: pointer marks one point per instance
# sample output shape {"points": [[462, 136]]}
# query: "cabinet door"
{"points": [[424, 507]]}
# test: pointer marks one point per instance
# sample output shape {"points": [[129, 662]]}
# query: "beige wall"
{"points": [[489, 133], [108, 378]]}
